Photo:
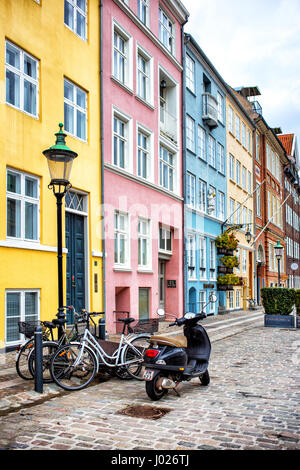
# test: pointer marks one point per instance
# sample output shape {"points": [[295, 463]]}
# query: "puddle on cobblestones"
{"points": [[146, 412]]}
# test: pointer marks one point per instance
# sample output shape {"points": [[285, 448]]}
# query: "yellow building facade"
{"points": [[49, 73], [240, 205]]}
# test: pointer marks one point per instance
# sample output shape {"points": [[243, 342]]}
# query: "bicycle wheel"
{"points": [[73, 366], [135, 352], [22, 366], [48, 349]]}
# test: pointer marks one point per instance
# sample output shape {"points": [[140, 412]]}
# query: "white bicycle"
{"points": [[74, 366]]}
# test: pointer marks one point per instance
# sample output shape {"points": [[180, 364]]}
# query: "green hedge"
{"points": [[278, 301], [297, 300]]}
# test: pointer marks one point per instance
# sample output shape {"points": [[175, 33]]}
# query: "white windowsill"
{"points": [[26, 245]]}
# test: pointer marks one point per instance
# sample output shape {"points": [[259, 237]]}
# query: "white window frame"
{"points": [[249, 182], [203, 196], [22, 198], [190, 73], [148, 239], [22, 316], [231, 167], [220, 101], [244, 180], [127, 121], [243, 134], [75, 108], [191, 256], [231, 210], [147, 151], [244, 261], [221, 205], [191, 190], [164, 235], [122, 234], [170, 167], [202, 299], [20, 73], [238, 172], [237, 127], [77, 9], [212, 260], [221, 158], [201, 140], [231, 119], [143, 10], [202, 257], [169, 31], [190, 133], [211, 151], [127, 81], [147, 75], [212, 305], [238, 298], [231, 300]]}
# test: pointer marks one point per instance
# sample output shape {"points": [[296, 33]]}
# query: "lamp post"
{"points": [[60, 159], [278, 253]]}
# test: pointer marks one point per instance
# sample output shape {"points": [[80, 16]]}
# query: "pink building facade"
{"points": [[142, 153]]}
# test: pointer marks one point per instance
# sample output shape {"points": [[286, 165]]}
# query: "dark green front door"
{"points": [[75, 285]]}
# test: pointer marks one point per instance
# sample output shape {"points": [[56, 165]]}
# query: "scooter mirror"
{"points": [[189, 315], [160, 312], [213, 298]]}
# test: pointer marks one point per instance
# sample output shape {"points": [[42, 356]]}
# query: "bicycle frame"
{"points": [[90, 342]]}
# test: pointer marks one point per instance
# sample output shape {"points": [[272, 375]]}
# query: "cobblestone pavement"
{"points": [[252, 402]]}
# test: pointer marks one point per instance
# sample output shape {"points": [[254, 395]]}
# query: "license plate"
{"points": [[148, 375]]}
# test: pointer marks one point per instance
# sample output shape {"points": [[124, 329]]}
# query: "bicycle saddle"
{"points": [[127, 320], [58, 321]]}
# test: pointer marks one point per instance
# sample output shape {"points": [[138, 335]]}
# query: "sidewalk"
{"points": [[16, 393]]}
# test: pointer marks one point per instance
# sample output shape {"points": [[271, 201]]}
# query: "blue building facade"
{"points": [[205, 181]]}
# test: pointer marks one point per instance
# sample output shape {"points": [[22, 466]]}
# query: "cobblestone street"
{"points": [[252, 402]]}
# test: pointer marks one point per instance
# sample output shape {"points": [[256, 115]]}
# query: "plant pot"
{"points": [[298, 321], [224, 287], [221, 251], [229, 270], [279, 321], [222, 269]]}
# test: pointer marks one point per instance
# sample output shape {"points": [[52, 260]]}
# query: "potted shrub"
{"points": [[227, 281], [226, 243], [278, 304], [229, 262]]}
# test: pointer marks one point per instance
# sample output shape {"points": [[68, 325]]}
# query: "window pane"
{"points": [[69, 118], [82, 5], [31, 313], [29, 97], [81, 98], [69, 15], [80, 25], [30, 221], [13, 313], [13, 183], [13, 218], [12, 88], [30, 187], [12, 56], [29, 67], [81, 125], [68, 91]]}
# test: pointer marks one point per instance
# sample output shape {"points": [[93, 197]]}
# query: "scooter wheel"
{"points": [[152, 391], [205, 379]]}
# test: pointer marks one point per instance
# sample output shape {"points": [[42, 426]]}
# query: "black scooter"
{"points": [[169, 361]]}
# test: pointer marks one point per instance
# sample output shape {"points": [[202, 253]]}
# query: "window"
{"points": [[249, 182], [75, 110], [190, 73], [212, 305], [238, 172], [144, 303], [231, 167], [230, 120], [221, 161], [211, 205], [212, 259], [120, 147], [238, 213], [191, 190], [75, 17], [244, 217], [244, 261], [231, 211], [220, 102], [257, 156], [244, 182], [121, 238], [268, 149], [144, 244], [201, 143], [166, 34], [190, 133], [237, 127], [202, 257], [243, 134], [22, 206], [231, 294], [21, 80], [238, 298], [122, 53], [202, 299], [143, 11], [250, 218], [144, 90], [258, 200], [202, 196], [144, 156], [238, 255], [248, 141], [221, 205], [191, 256], [167, 169], [21, 305], [165, 240], [211, 151]]}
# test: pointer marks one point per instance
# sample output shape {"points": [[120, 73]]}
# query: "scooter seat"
{"points": [[177, 342]]}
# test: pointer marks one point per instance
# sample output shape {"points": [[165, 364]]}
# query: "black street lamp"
{"points": [[248, 235], [278, 253], [60, 159]]}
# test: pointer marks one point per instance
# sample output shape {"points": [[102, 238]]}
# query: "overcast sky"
{"points": [[254, 43]]}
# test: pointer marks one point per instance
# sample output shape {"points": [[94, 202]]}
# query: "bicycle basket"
{"points": [[146, 326], [27, 328]]}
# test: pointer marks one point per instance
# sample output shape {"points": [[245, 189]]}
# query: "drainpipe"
{"points": [[185, 293], [254, 215], [102, 160]]}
